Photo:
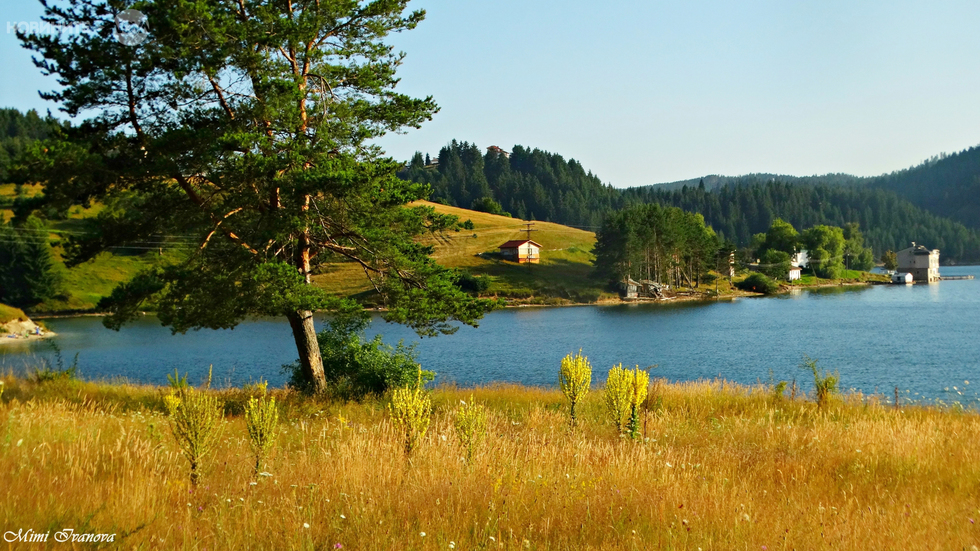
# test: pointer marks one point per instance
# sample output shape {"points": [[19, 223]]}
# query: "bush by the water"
{"points": [[473, 284], [758, 283], [355, 367]]}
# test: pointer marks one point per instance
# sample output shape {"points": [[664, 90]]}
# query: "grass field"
{"points": [[566, 258], [849, 276], [718, 466], [9, 313]]}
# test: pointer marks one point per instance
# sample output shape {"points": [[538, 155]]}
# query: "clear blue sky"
{"points": [[648, 92]]}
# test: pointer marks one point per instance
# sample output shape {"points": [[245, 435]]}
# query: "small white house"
{"points": [[902, 277], [521, 250], [919, 261], [800, 259], [794, 273]]}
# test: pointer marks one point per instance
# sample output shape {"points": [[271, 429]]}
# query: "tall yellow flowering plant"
{"points": [[625, 391], [470, 422], [575, 378], [195, 419], [262, 422], [411, 410]]}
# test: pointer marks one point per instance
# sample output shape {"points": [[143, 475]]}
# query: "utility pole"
{"points": [[528, 229]]}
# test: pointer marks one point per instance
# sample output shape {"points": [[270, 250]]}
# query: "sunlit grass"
{"points": [[9, 313], [717, 466]]}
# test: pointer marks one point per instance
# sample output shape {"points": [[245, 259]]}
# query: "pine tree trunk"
{"points": [[310, 360]]}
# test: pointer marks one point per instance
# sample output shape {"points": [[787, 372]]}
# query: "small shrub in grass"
{"points": [[256, 389], [262, 422], [587, 296], [47, 373], [473, 284], [195, 419], [575, 378], [826, 385], [411, 410], [758, 283], [777, 388], [176, 381], [626, 389], [470, 421]]}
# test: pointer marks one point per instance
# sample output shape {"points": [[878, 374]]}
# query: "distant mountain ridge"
{"points": [[717, 181], [947, 185]]}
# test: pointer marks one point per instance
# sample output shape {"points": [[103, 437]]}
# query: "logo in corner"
{"points": [[131, 28]]}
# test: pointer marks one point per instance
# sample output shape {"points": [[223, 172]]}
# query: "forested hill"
{"points": [[527, 183], [17, 130], [947, 185], [534, 184]]}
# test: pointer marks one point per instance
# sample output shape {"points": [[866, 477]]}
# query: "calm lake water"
{"points": [[924, 339]]}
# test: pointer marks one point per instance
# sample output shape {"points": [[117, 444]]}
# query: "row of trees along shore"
{"points": [[532, 184], [676, 247]]}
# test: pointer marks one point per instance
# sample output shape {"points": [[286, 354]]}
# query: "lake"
{"points": [[925, 339]]}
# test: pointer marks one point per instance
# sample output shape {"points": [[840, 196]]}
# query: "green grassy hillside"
{"points": [[563, 272], [9, 313]]}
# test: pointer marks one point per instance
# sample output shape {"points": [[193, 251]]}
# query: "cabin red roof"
{"points": [[513, 244]]}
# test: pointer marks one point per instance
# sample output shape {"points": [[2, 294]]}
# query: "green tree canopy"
{"points": [[246, 127], [890, 260], [856, 255], [656, 243], [825, 248], [28, 274], [781, 236], [775, 264]]}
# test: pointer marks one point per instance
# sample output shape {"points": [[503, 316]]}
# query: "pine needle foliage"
{"points": [[470, 422], [411, 410], [625, 391], [575, 378], [262, 422], [195, 420]]}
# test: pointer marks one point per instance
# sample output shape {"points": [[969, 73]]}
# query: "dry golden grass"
{"points": [[719, 466]]}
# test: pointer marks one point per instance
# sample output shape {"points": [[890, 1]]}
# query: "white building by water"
{"points": [[919, 261]]}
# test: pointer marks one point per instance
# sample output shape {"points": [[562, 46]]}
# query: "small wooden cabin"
{"points": [[629, 288], [521, 250]]}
